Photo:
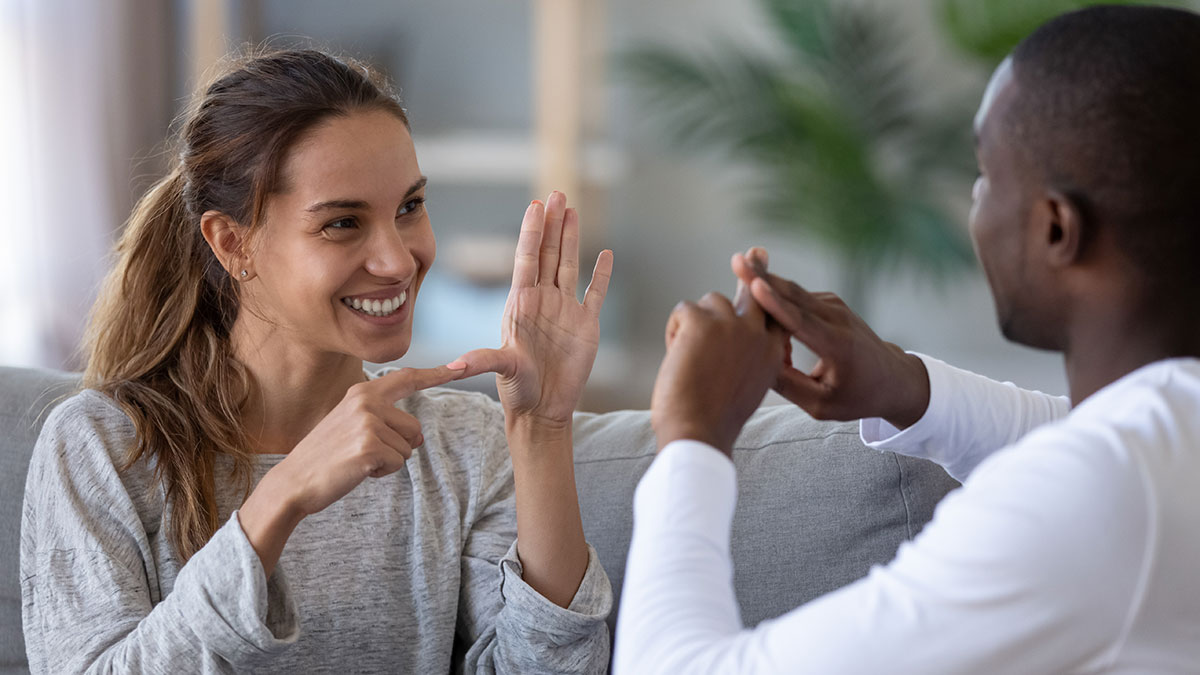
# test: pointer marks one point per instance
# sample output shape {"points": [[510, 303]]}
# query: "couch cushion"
{"points": [[816, 508], [26, 396]]}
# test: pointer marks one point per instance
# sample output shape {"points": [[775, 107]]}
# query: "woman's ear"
{"points": [[227, 239]]}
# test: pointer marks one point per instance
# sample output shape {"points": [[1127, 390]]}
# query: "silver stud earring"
{"points": [[243, 274]]}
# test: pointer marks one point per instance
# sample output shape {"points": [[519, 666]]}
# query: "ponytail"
{"points": [[158, 344]]}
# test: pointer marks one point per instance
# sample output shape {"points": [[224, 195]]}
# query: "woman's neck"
{"points": [[293, 386]]}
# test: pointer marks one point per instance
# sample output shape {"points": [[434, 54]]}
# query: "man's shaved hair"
{"points": [[1108, 110]]}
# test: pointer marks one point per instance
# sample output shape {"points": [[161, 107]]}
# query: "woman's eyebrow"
{"points": [[416, 186], [358, 203], [337, 204]]}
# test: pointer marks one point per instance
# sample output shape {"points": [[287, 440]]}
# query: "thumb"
{"points": [[478, 361]]}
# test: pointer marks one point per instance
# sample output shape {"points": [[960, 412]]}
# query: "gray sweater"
{"points": [[415, 572]]}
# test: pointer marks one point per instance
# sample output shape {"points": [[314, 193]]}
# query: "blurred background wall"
{"points": [[834, 133]]}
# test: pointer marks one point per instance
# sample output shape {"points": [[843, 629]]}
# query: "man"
{"points": [[1074, 543]]}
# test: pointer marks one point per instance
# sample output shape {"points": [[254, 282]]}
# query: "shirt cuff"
{"points": [[224, 585], [691, 487], [881, 435], [589, 608]]}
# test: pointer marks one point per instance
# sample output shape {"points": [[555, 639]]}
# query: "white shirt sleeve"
{"points": [[969, 417], [1034, 566]]}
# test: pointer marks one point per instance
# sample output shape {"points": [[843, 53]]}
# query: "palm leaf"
{"points": [[841, 152]]}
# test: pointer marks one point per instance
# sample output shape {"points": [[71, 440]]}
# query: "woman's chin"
{"points": [[392, 351]]}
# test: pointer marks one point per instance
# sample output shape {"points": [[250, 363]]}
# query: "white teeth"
{"points": [[376, 307]]}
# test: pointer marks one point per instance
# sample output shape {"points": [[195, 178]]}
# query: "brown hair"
{"points": [[158, 340]]}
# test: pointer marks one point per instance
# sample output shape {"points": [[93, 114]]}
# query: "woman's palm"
{"points": [[549, 338]]}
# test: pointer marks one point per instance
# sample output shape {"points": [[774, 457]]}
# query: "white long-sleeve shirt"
{"points": [[1072, 547]]}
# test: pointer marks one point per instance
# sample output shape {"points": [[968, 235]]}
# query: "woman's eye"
{"points": [[411, 206], [342, 224]]}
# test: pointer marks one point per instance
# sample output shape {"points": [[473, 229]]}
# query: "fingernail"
{"points": [[457, 364]]}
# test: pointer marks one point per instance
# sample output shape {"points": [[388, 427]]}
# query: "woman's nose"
{"points": [[389, 255]]}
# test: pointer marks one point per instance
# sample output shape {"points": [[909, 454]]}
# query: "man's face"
{"points": [[1001, 213]]}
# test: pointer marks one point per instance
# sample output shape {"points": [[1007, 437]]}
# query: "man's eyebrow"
{"points": [[358, 203]]}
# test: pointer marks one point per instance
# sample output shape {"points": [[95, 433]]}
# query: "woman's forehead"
{"points": [[351, 157]]}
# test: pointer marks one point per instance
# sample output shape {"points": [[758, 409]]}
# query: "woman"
{"points": [[226, 413]]}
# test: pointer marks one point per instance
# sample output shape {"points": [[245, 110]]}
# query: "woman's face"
{"points": [[346, 241]]}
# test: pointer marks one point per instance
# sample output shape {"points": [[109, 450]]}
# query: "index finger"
{"points": [[402, 383], [795, 294], [748, 267], [529, 246], [807, 326]]}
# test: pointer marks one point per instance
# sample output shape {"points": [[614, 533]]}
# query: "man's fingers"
{"points": [[742, 269], [741, 297], [800, 389], [797, 295], [741, 294], [498, 361], [568, 261], [556, 207], [402, 383], [529, 246], [593, 299], [718, 303], [757, 258], [679, 315], [672, 329], [803, 324]]}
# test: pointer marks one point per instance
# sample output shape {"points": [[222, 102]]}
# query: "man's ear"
{"points": [[1059, 229], [227, 239]]}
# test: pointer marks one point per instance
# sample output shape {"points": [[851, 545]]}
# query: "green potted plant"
{"points": [[832, 125]]}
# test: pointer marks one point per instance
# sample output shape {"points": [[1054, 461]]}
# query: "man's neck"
{"points": [[1107, 345], [293, 386]]}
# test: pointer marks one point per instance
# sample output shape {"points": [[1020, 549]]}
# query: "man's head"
{"points": [[1089, 152]]}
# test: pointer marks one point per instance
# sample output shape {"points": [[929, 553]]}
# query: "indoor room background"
{"points": [[836, 134]]}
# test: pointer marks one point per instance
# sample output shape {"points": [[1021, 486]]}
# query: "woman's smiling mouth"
{"points": [[375, 306]]}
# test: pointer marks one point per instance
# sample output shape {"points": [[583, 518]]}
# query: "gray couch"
{"points": [[816, 507]]}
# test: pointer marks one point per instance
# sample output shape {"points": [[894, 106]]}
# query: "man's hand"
{"points": [[720, 361], [858, 374]]}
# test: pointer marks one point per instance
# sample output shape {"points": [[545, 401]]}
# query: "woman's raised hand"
{"points": [[548, 338], [364, 436]]}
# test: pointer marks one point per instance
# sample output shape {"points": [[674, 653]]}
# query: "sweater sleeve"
{"points": [[969, 417], [508, 626], [89, 591]]}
